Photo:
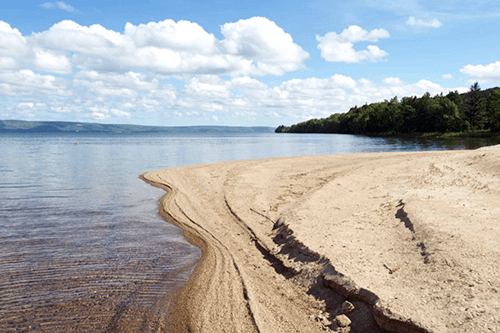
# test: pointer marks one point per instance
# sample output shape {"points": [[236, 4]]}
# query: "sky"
{"points": [[236, 63]]}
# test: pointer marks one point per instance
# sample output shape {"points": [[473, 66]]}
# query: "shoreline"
{"points": [[285, 242]]}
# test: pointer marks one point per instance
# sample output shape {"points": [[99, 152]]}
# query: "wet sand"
{"points": [[389, 242]]}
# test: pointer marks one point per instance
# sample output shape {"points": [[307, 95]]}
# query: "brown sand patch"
{"points": [[410, 240]]}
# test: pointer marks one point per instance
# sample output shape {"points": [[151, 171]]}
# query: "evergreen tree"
{"points": [[280, 129], [493, 109], [474, 107]]}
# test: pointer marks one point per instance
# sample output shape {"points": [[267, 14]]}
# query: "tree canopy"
{"points": [[454, 112]]}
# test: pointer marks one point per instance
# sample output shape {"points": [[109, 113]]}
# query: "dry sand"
{"points": [[390, 242]]}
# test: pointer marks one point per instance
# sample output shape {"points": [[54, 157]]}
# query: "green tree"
{"points": [[451, 120], [280, 129], [456, 98], [493, 109], [422, 117], [474, 107]]}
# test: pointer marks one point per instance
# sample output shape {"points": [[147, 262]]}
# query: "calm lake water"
{"points": [[82, 247]]}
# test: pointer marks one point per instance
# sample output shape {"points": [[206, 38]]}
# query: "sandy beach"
{"points": [[385, 242]]}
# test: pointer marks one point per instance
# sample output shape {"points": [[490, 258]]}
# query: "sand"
{"points": [[386, 242]]}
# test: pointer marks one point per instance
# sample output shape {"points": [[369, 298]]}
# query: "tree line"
{"points": [[455, 112]]}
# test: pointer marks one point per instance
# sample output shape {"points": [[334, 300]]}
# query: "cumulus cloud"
{"points": [[340, 47], [128, 84], [207, 90], [110, 70], [255, 46], [209, 95], [315, 97], [27, 108], [296, 98], [265, 43], [393, 81], [28, 83], [12, 42], [16, 49], [103, 112], [178, 68], [63, 109], [100, 115], [434, 23], [488, 72], [120, 113], [447, 77], [47, 61], [8, 63], [30, 105], [59, 5]]}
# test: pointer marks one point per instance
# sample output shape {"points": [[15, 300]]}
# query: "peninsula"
{"points": [[385, 242]]}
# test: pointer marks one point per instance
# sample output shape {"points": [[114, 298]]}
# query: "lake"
{"points": [[82, 246]]}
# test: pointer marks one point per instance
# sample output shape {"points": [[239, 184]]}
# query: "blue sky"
{"points": [[245, 63]]}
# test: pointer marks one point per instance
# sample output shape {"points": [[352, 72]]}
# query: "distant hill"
{"points": [[20, 126]]}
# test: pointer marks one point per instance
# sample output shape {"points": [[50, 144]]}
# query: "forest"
{"points": [[471, 111]]}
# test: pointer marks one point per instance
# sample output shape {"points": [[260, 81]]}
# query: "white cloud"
{"points": [[297, 98], [393, 81], [214, 118], [8, 63], [26, 105], [120, 113], [128, 84], [178, 68], [99, 112], [30, 105], [47, 61], [488, 72], [241, 97], [16, 49], [111, 70], [434, 23], [206, 90], [62, 109], [60, 5], [28, 83], [447, 76], [260, 40], [340, 48], [68, 36], [12, 42], [183, 35], [315, 97], [256, 46], [27, 109], [99, 116]]}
